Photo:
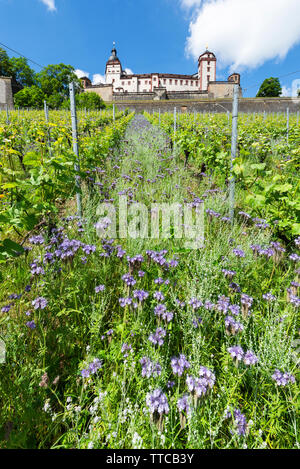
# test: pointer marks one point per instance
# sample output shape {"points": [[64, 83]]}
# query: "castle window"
{"points": [[192, 83], [196, 83], [165, 81], [170, 81], [186, 82], [181, 82], [123, 83], [176, 81]]}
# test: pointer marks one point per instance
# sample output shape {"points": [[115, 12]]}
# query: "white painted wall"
{"points": [[137, 84]]}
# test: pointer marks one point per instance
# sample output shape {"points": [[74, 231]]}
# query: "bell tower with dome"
{"points": [[113, 69]]}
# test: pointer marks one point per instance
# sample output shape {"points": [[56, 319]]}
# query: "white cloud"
{"points": [[97, 79], [50, 4], [128, 71], [243, 34], [190, 3], [81, 73], [291, 91], [286, 91]]}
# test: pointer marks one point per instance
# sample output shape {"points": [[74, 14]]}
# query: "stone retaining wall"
{"points": [[6, 95], [246, 105]]}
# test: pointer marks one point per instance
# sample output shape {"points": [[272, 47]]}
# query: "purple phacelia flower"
{"points": [[141, 295], [283, 379], [250, 358], [99, 288], [232, 326], [40, 303], [158, 296], [269, 297], [88, 249], [239, 253], [179, 365], [236, 352], [223, 304], [294, 257], [199, 386], [129, 280], [160, 309], [183, 404], [195, 303], [31, 324], [157, 402], [125, 349], [159, 281], [125, 301], [149, 368], [239, 420], [229, 273], [37, 239], [158, 337]]}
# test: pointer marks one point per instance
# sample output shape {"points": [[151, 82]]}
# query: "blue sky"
{"points": [[159, 35]]}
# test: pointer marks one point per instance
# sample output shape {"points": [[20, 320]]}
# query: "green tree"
{"points": [[90, 101], [54, 82], [21, 71], [270, 88], [32, 97], [5, 66]]}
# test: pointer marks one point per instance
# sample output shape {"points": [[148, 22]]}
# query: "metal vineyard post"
{"points": [[235, 110], [75, 146]]}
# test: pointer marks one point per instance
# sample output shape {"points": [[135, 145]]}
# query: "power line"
{"points": [[281, 76], [21, 55]]}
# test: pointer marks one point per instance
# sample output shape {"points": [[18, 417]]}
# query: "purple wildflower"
{"points": [[37, 239], [126, 348], [141, 295], [40, 303], [232, 326], [158, 337], [125, 301], [236, 352], [250, 358], [179, 364], [283, 379], [269, 297], [240, 421], [31, 324], [157, 402], [159, 296], [129, 280], [183, 404], [150, 368]]}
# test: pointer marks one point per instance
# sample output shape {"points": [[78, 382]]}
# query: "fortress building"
{"points": [[121, 85]]}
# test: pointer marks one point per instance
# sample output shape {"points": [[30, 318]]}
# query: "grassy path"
{"points": [[124, 343]]}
